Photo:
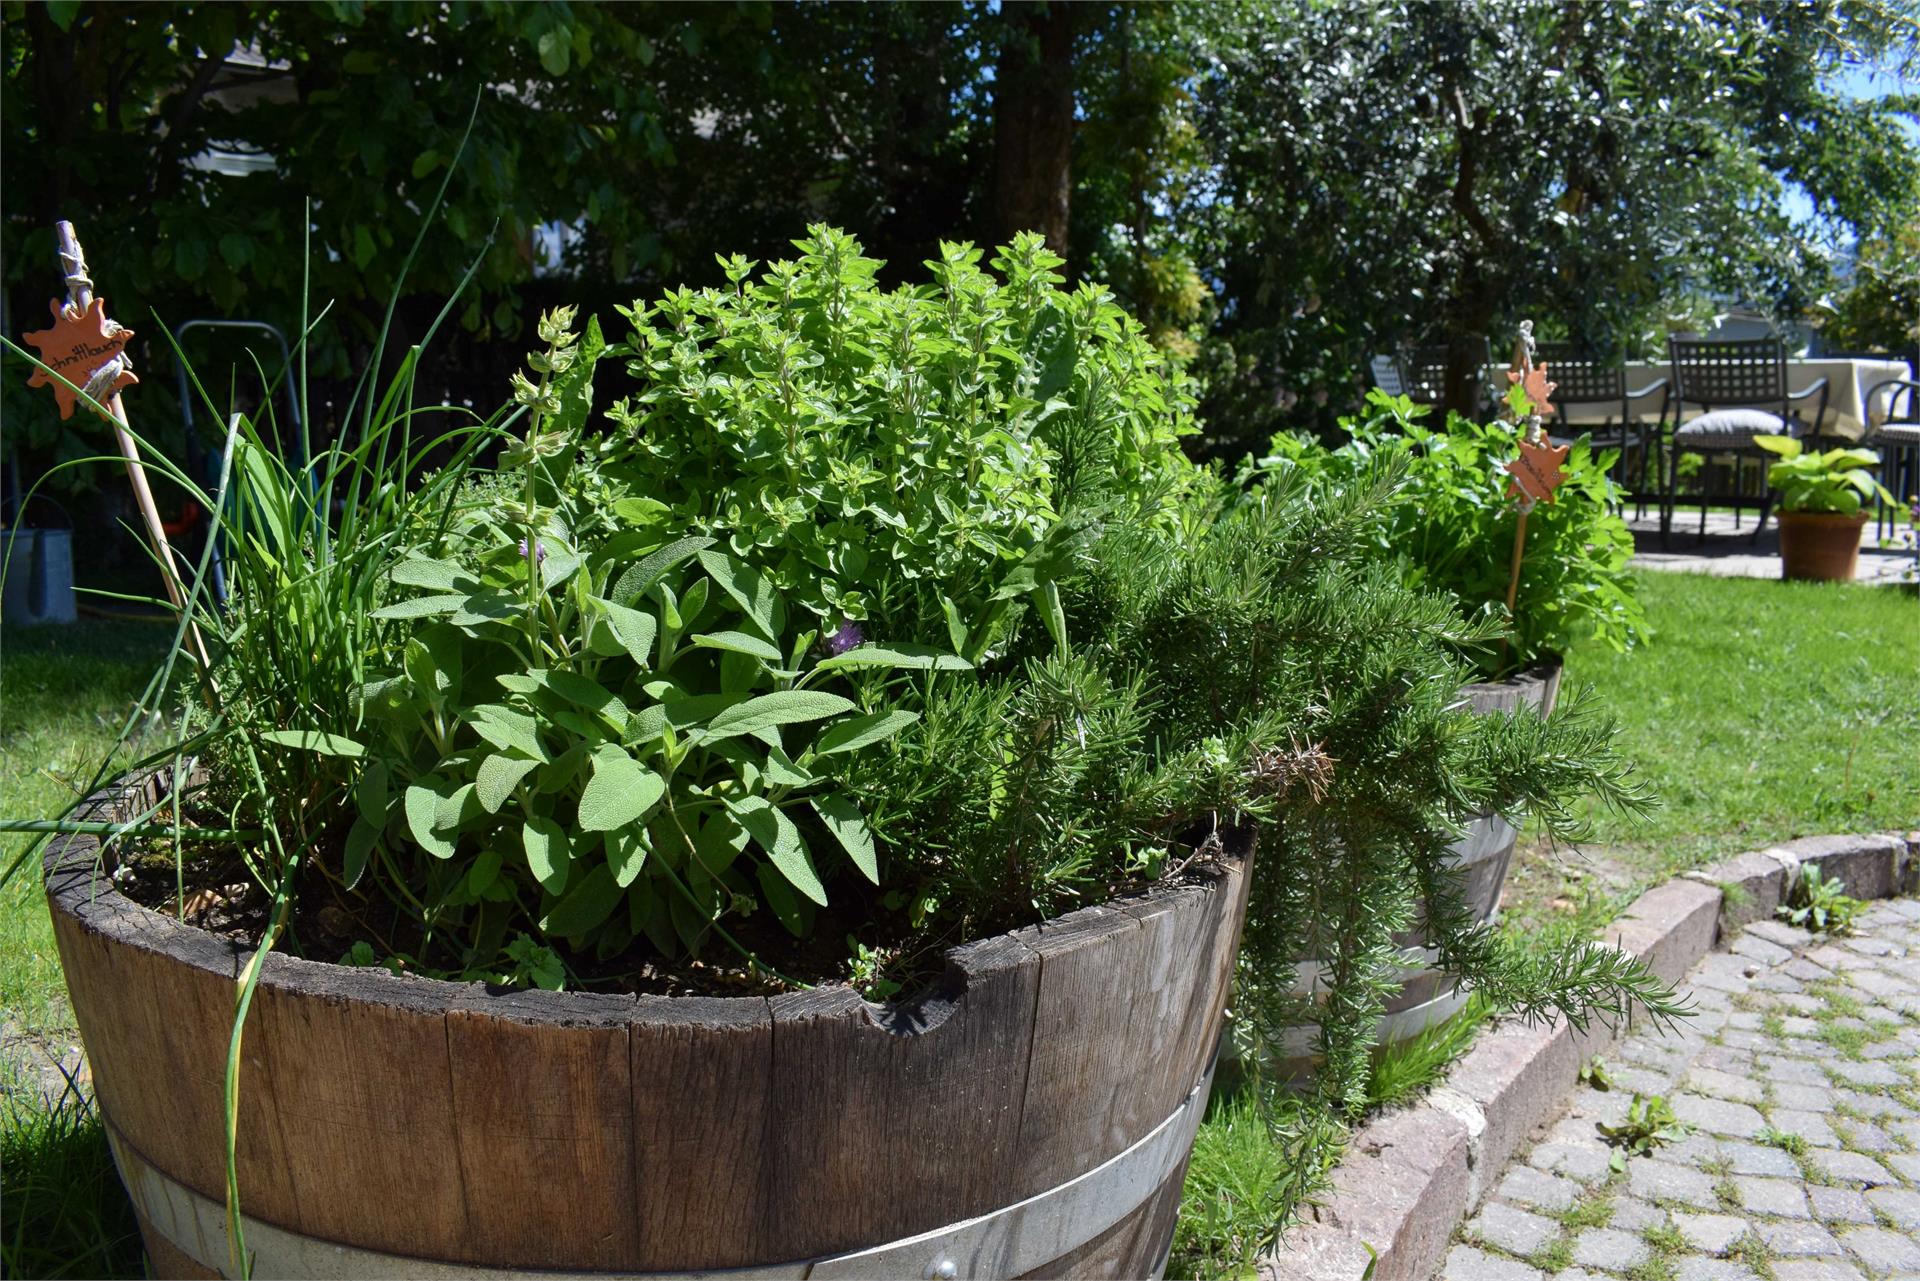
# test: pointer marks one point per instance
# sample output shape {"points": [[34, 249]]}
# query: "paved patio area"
{"points": [[1800, 1082], [1732, 552]]}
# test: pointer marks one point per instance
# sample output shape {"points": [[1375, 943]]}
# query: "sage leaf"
{"points": [[752, 593], [422, 805], [857, 732], [905, 657], [588, 903], [361, 838], [548, 855], [497, 777], [620, 791], [651, 569], [635, 630], [781, 840], [313, 740], [849, 826], [738, 643], [421, 606], [626, 854], [782, 707]]}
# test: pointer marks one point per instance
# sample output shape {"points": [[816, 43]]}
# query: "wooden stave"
{"points": [[309, 1018]]}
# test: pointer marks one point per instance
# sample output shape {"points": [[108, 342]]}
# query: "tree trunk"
{"points": [[1033, 122]]}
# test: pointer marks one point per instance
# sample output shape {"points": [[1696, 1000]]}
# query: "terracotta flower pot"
{"points": [[1820, 546]]}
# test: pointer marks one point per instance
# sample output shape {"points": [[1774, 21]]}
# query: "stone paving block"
{"points": [[1877, 1105], [1736, 1120], [1901, 1205], [1724, 972], [1756, 948], [1725, 1085], [1698, 1267], [1584, 1164], [1773, 1196], [1609, 1249], [1803, 1098], [1881, 1250], [1792, 1238], [1631, 1214], [1793, 1071], [1530, 1187], [1514, 1230], [1778, 931], [1753, 1158], [1863, 1136], [1710, 1232], [1850, 1167], [1464, 1263], [1725, 1058], [1815, 1270], [1868, 1074], [1805, 970], [1810, 1126], [1839, 1205], [1836, 959], [1906, 1165], [1660, 1181]]}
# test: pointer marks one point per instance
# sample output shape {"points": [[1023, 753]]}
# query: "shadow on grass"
{"points": [[66, 1213]]}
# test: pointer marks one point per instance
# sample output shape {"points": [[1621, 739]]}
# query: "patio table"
{"points": [[1848, 381]]}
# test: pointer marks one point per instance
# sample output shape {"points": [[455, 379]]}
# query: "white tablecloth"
{"points": [[1847, 384]]}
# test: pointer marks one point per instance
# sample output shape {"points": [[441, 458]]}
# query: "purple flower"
{"points": [[845, 637], [539, 551]]}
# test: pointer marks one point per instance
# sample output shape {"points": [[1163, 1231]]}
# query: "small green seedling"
{"points": [[1819, 904], [1597, 1073], [1650, 1124]]}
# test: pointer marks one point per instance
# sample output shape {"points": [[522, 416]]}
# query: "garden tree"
{"points": [[1416, 170], [1880, 308]]}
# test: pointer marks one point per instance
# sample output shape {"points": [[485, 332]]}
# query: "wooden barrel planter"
{"points": [[1031, 1116], [1482, 855]]}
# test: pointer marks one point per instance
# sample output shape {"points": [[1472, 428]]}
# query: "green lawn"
{"points": [[65, 695], [1762, 711]]}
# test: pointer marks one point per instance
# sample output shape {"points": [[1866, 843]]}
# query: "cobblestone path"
{"points": [[1799, 1080]]}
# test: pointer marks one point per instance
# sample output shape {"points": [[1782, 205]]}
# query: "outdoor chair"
{"points": [[1742, 387], [1423, 374], [1898, 441], [1386, 375], [1581, 378]]}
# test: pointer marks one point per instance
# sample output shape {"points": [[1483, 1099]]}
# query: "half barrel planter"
{"points": [[1483, 855], [1030, 1116]]}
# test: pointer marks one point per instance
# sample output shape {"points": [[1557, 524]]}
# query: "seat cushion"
{"points": [[1897, 434], [1733, 428]]}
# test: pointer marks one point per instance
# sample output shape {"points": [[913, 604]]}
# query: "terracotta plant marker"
{"points": [[79, 345]]}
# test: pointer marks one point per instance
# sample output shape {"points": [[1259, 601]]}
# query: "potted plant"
{"points": [[1822, 497], [1450, 529], [798, 814]]}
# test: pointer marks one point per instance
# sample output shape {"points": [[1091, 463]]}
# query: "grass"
{"points": [[65, 693], [66, 1215], [1762, 711]]}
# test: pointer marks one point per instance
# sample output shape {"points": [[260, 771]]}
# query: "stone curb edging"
{"points": [[1410, 1177]]}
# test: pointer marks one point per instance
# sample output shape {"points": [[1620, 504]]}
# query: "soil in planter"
{"points": [[211, 888]]}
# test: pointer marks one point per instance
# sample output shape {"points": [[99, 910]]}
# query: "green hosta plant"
{"points": [[1835, 481]]}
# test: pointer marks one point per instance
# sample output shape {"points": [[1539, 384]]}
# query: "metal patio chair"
{"points": [[1581, 378], [1742, 387], [1423, 374], [1897, 438]]}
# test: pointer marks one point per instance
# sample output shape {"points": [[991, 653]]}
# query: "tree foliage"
{"points": [[1411, 170]]}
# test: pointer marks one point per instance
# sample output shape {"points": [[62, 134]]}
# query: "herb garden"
{"points": [[822, 714], [945, 640]]}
